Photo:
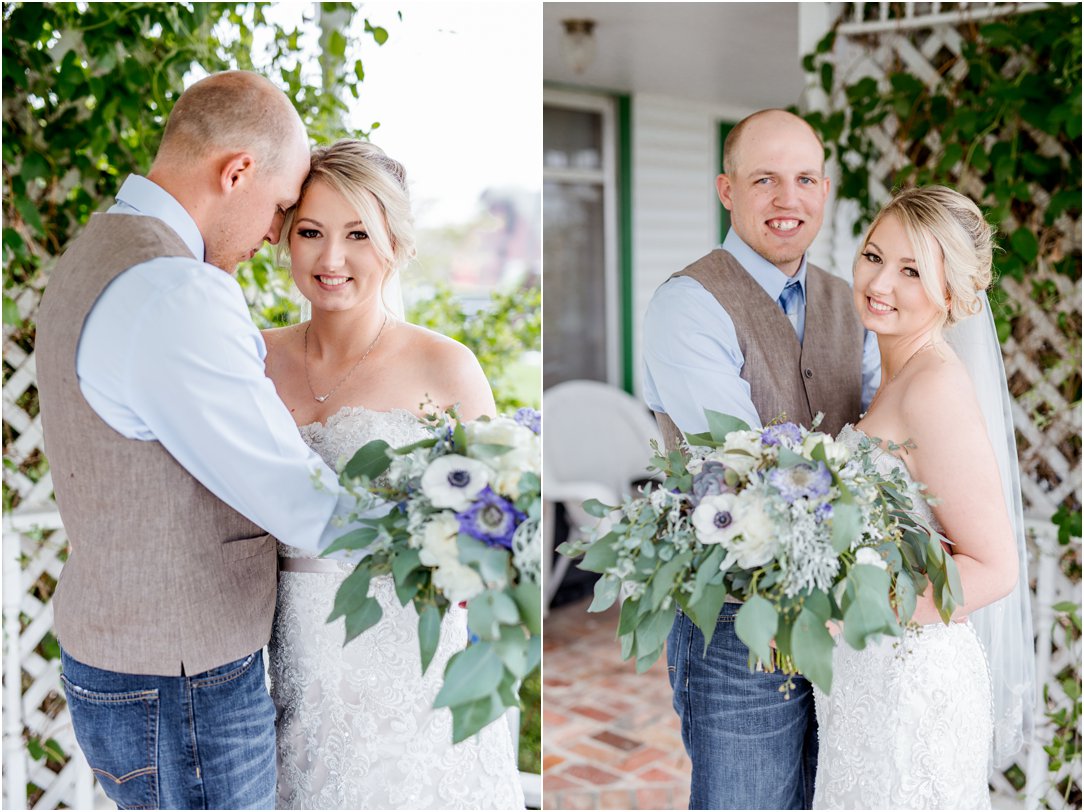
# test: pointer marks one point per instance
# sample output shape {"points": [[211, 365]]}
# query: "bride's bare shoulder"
{"points": [[450, 371], [938, 403]]}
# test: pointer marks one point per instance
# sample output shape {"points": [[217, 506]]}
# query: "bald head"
{"points": [[763, 121], [230, 112]]}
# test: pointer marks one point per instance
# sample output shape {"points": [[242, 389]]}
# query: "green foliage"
{"points": [[1007, 116], [1008, 125], [499, 335], [530, 728]]}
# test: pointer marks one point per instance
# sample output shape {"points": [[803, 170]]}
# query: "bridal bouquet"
{"points": [[465, 527], [785, 519]]}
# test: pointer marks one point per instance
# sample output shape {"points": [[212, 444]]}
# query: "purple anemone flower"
{"points": [[491, 518]]}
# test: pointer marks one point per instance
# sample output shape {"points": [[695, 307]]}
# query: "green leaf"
{"points": [[11, 312], [404, 563], [662, 583], [471, 674], [906, 596], [817, 603], [630, 612], [528, 597], [704, 612], [487, 612], [354, 540], [846, 524], [470, 717], [1025, 244], [706, 571], [365, 617], [653, 630], [515, 650], [353, 592], [600, 556], [756, 624], [869, 613], [380, 35], [336, 44], [428, 634], [720, 425], [28, 210], [811, 647], [593, 507], [491, 562], [371, 460], [607, 588]]}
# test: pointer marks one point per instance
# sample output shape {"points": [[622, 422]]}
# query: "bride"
{"points": [[913, 723], [355, 724]]}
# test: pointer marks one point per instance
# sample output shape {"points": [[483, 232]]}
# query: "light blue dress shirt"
{"points": [[169, 353], [692, 360]]}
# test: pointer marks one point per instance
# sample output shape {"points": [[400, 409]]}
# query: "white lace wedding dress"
{"points": [[355, 725], [909, 721]]}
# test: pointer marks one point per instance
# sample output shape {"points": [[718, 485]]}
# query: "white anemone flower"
{"points": [[453, 481]]}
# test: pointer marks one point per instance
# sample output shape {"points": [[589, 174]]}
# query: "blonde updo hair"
{"points": [[375, 186], [966, 240]]}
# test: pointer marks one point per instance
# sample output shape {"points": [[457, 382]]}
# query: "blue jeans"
{"points": [[191, 742], [750, 747]]}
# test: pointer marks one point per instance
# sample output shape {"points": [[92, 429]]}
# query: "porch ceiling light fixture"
{"points": [[579, 43]]}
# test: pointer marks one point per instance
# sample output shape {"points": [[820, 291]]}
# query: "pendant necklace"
{"points": [[882, 387], [349, 372]]}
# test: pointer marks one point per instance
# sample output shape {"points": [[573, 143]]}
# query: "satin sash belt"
{"points": [[319, 565]]}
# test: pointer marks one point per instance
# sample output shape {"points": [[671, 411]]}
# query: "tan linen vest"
{"points": [[788, 378], [163, 577]]}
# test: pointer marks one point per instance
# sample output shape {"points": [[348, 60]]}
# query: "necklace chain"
{"points": [[881, 388], [349, 372]]}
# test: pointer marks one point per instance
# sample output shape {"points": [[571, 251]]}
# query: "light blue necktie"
{"points": [[790, 300]]}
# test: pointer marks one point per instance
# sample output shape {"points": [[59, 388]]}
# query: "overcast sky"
{"points": [[457, 89]]}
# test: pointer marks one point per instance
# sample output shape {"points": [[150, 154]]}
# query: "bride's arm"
{"points": [[954, 459]]}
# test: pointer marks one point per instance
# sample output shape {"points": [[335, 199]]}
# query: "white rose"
{"points": [[526, 447], [438, 539], [756, 541], [867, 555], [742, 451], [836, 452], [457, 581], [695, 465], [454, 480], [714, 518]]}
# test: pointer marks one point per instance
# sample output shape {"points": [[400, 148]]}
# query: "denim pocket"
{"points": [[118, 734]]}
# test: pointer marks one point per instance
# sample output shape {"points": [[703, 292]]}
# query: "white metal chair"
{"points": [[596, 443]]}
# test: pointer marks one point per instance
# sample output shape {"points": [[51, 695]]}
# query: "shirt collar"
{"points": [[148, 198], [765, 273]]}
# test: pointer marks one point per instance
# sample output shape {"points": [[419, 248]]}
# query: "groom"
{"points": [[174, 461], [755, 331]]}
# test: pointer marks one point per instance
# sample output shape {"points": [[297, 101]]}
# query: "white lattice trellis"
{"points": [[925, 40]]}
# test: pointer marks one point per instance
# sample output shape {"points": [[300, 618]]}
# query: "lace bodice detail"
{"points": [[353, 426], [348, 430], [908, 722], [355, 724]]}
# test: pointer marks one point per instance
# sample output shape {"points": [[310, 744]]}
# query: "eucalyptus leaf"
{"points": [[811, 647], [364, 617], [470, 717], [352, 593], [653, 630], [720, 425], [428, 634], [756, 624], [600, 556], [704, 612], [607, 588], [846, 525], [371, 460], [528, 597], [471, 674]]}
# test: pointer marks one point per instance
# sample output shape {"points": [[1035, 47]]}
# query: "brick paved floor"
{"points": [[610, 737]]}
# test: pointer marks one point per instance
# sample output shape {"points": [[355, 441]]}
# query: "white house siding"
{"points": [[674, 206]]}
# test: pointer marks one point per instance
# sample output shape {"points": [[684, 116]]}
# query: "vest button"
{"points": [[808, 372]]}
